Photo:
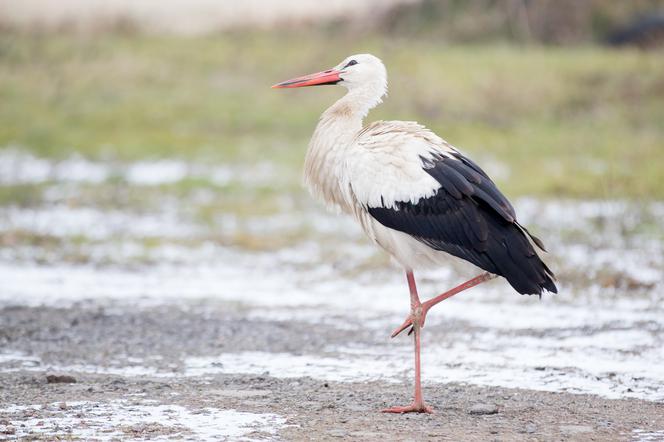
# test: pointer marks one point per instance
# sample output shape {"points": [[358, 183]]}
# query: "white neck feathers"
{"points": [[332, 139]]}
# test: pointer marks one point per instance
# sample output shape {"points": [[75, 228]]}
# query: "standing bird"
{"points": [[414, 195]]}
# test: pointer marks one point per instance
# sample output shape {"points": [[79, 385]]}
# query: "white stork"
{"points": [[414, 195]]}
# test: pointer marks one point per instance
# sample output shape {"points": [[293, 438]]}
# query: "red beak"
{"points": [[331, 76]]}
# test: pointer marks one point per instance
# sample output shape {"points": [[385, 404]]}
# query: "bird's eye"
{"points": [[351, 63]]}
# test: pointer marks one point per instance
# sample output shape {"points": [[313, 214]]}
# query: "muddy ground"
{"points": [[108, 334], [182, 314]]}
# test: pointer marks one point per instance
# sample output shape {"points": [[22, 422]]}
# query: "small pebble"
{"points": [[338, 433], [481, 409], [531, 428], [60, 379]]}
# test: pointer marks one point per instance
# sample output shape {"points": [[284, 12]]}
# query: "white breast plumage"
{"points": [[386, 160], [414, 195]]}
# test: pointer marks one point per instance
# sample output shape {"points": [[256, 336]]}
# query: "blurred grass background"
{"points": [[565, 116]]}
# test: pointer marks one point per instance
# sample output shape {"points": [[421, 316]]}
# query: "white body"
{"points": [[351, 167]]}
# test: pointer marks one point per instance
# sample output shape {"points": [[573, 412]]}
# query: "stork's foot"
{"points": [[419, 310], [420, 314], [412, 408]]}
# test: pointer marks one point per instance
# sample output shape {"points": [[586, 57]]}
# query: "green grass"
{"points": [[584, 122]]}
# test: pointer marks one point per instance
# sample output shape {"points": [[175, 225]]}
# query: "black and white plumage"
{"points": [[414, 195], [408, 180], [469, 218]]}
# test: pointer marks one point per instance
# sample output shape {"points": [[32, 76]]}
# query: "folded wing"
{"points": [[451, 205]]}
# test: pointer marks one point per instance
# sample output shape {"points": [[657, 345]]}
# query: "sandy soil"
{"points": [[109, 334]]}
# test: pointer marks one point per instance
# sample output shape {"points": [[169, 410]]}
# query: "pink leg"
{"points": [[418, 405], [433, 301]]}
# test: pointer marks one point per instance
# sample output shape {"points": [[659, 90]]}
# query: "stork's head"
{"points": [[361, 72]]}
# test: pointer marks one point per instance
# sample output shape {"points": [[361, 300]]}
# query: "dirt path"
{"points": [[144, 386], [334, 410]]}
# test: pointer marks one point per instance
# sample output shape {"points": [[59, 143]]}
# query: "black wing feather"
{"points": [[469, 218]]}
